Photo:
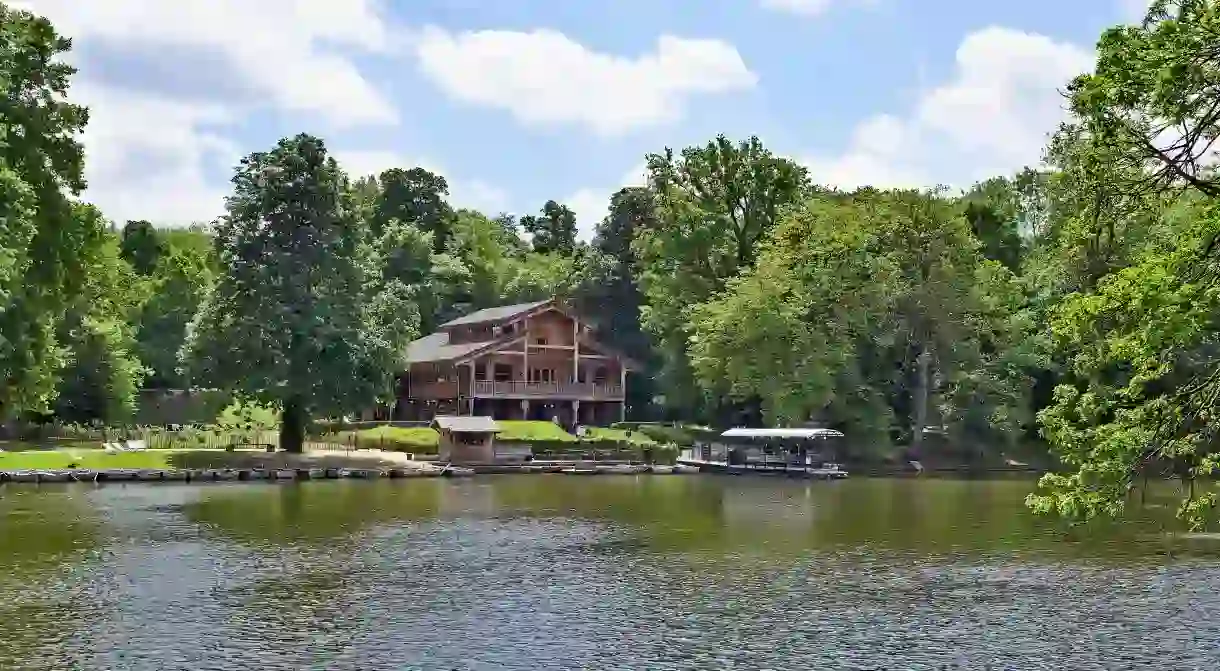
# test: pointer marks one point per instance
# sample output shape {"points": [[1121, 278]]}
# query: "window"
{"points": [[540, 341], [600, 375], [503, 372], [542, 375], [480, 371]]}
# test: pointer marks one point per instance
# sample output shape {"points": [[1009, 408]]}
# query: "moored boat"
{"points": [[788, 452]]}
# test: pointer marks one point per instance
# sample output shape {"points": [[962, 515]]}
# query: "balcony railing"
{"points": [[572, 390]]}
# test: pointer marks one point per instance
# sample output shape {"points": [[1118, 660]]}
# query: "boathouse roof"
{"points": [[781, 433], [471, 424]]}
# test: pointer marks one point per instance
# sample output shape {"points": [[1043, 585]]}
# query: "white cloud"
{"points": [[992, 117], [544, 77], [591, 205], [808, 7], [282, 51], [160, 155], [146, 156]]}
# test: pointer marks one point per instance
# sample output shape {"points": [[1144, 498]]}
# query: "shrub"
{"points": [[619, 435]]}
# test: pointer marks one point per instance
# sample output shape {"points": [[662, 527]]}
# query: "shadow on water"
{"points": [[315, 513], [928, 516], [45, 539]]}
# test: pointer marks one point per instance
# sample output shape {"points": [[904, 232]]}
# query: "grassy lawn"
{"points": [[31, 460], [90, 459]]}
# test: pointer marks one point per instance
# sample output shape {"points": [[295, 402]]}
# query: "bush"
{"points": [[683, 435], [616, 434]]}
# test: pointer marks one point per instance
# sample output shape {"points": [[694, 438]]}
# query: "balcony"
{"points": [[578, 391]]}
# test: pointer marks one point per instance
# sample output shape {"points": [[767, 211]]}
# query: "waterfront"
{"points": [[556, 572]]}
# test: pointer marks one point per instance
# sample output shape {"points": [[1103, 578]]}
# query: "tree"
{"points": [[179, 285], [714, 203], [872, 311], [103, 372], [614, 306], [554, 230], [415, 197], [43, 243], [142, 246], [993, 210], [1141, 334], [301, 316]]}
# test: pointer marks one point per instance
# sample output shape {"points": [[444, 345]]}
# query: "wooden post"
{"points": [[575, 351]]}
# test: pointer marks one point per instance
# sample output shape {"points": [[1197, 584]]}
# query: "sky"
{"points": [[517, 102]]}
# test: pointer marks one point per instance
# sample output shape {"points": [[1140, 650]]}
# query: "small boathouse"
{"points": [[466, 439]]}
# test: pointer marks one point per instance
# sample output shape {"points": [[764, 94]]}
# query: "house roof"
{"points": [[436, 347], [474, 424], [495, 314]]}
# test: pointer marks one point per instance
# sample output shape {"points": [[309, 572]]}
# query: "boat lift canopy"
{"points": [[781, 433]]}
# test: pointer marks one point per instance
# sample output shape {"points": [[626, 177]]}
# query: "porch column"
{"points": [[575, 413], [525, 409]]}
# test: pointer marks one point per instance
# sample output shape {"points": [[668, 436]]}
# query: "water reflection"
{"points": [[559, 572], [319, 513], [47, 540]]}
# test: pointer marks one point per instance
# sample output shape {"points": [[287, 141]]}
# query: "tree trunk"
{"points": [[292, 427], [922, 392]]}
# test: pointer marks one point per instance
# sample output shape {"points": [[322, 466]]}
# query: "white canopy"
{"points": [[781, 433]]}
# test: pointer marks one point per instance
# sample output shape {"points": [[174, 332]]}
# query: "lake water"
{"points": [[641, 573]]}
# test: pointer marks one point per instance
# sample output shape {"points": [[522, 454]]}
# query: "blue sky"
{"points": [[520, 101]]}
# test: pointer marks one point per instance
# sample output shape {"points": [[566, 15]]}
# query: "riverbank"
{"points": [[86, 465]]}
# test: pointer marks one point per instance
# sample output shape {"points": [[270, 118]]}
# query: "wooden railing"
{"points": [[574, 390]]}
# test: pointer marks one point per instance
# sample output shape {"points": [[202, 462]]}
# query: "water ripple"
{"points": [[537, 574]]}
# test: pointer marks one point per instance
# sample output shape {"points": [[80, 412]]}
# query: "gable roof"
{"points": [[436, 347], [471, 424], [496, 314]]}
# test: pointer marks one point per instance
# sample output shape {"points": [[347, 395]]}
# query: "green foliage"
{"points": [[553, 231], [414, 197], [714, 204], [301, 316], [247, 422], [42, 241], [848, 299], [177, 288], [142, 247], [103, 373], [609, 434], [1140, 331]]}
